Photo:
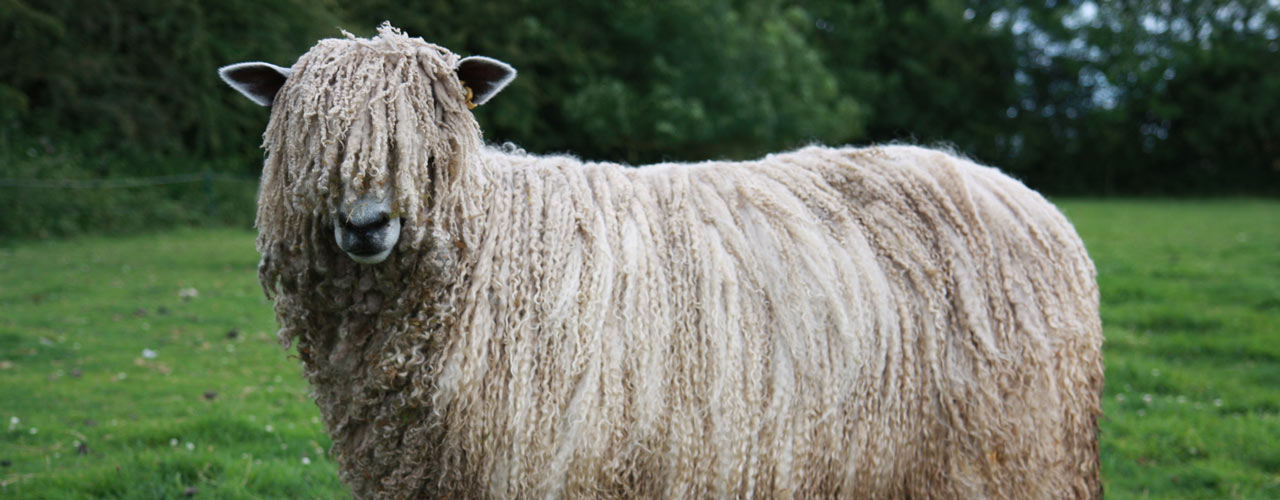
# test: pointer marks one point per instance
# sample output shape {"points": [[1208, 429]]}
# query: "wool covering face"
{"points": [[364, 135]]}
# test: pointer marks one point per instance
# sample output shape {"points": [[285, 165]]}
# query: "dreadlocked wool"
{"points": [[883, 322]]}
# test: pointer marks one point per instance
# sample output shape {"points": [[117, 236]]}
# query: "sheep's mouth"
{"points": [[367, 240]]}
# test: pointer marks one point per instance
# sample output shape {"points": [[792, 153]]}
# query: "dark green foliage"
{"points": [[636, 82], [1151, 97], [110, 89], [138, 76], [1138, 97], [928, 74]]}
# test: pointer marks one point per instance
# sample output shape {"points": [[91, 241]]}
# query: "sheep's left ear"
{"points": [[258, 81], [485, 76]]}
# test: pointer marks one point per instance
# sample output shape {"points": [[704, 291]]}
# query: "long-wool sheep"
{"points": [[880, 322]]}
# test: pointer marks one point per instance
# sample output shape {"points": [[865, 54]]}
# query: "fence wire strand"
{"points": [[119, 183]]}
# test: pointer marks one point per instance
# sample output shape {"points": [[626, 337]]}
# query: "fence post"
{"points": [[208, 191]]}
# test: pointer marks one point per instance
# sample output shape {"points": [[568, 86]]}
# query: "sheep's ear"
{"points": [[485, 76], [258, 81]]}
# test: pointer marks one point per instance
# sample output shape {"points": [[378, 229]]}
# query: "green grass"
{"points": [[85, 414], [1191, 312], [1191, 307]]}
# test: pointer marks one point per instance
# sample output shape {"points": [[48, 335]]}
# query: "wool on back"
{"points": [[880, 322]]}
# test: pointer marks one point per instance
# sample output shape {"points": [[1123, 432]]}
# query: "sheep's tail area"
{"points": [[880, 322]]}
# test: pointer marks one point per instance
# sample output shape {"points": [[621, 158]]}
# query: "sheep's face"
{"points": [[363, 135], [367, 229]]}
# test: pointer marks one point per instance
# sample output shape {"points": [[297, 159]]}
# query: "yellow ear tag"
{"points": [[470, 95]]}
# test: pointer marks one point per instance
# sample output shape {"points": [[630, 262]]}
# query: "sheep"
{"points": [[480, 322]]}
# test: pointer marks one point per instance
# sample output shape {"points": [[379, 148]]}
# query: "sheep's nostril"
{"points": [[377, 223]]}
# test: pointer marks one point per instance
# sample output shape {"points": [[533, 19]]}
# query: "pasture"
{"points": [[147, 366]]}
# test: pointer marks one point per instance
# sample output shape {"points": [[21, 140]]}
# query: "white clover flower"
{"points": [[149, 354], [306, 461]]}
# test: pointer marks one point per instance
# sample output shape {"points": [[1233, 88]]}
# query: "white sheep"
{"points": [[883, 322]]}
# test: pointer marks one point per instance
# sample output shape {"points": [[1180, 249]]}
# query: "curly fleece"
{"points": [[883, 322]]}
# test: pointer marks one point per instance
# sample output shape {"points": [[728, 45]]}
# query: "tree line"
{"points": [[1129, 97]]}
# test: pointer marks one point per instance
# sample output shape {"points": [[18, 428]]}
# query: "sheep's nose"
{"points": [[367, 225], [367, 231]]}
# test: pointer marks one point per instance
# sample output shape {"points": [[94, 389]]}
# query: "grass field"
{"points": [[146, 367], [1191, 314]]}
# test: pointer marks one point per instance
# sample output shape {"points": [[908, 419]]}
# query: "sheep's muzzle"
{"points": [[367, 231]]}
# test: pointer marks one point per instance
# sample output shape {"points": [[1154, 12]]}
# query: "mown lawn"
{"points": [[146, 366], [1191, 312]]}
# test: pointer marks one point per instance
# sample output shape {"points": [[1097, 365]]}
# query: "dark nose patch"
{"points": [[367, 238], [378, 221], [367, 230]]}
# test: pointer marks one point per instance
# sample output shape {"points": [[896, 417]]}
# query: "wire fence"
{"points": [[121, 182], [20, 189]]}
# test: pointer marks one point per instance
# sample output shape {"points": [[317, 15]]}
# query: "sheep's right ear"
{"points": [[485, 76], [258, 81]]}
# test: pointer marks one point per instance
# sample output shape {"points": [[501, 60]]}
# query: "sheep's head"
{"points": [[364, 135]]}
